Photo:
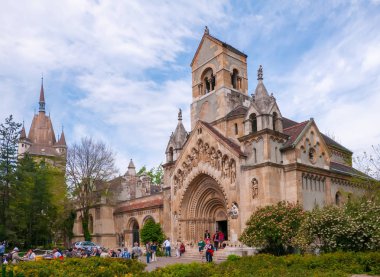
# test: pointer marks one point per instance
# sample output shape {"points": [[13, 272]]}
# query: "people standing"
{"points": [[167, 248], [182, 249], [136, 251], [57, 254], [207, 235], [209, 252], [154, 251], [201, 245], [148, 251], [2, 251], [177, 249], [126, 254], [221, 239], [215, 238]]}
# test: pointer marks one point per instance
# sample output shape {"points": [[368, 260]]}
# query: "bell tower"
{"points": [[219, 79]]}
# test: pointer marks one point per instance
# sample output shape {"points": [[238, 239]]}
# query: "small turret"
{"points": [[176, 141], [42, 97], [131, 169], [24, 142]]}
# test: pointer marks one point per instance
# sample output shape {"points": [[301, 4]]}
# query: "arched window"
{"points": [[208, 80], [234, 79], [275, 154], [338, 198], [274, 120], [170, 157], [254, 155], [236, 129], [253, 119]]}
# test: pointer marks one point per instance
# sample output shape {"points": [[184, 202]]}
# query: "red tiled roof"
{"points": [[140, 205], [227, 141], [293, 132]]}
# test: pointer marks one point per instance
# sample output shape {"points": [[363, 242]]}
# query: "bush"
{"points": [[272, 228], [353, 227], [78, 267], [233, 258]]}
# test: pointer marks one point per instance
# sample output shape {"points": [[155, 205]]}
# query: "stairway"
{"points": [[193, 254]]}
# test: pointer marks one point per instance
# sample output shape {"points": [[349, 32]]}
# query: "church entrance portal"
{"points": [[203, 208]]}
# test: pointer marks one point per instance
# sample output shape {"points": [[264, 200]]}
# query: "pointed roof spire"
{"points": [[23, 132], [62, 140], [42, 97], [131, 169], [260, 73], [180, 115]]}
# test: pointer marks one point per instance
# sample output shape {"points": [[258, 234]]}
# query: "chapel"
{"points": [[240, 153]]}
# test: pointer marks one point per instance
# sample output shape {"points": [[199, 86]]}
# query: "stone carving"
{"points": [[254, 188], [203, 152], [234, 211]]}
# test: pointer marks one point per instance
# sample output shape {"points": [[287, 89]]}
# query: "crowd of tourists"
{"points": [[206, 245]]}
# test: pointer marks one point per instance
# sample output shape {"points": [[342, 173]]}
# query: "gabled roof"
{"points": [[232, 145], [238, 111], [293, 132], [217, 41], [288, 124]]}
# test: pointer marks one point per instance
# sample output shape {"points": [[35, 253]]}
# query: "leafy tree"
{"points": [[354, 226], [155, 173], [9, 132], [36, 203], [88, 163], [272, 228], [152, 231]]}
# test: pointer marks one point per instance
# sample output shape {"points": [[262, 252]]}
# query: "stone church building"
{"points": [[240, 154]]}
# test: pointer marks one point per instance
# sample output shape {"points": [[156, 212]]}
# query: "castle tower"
{"points": [[41, 142], [219, 80]]}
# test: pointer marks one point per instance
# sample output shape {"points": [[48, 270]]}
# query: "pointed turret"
{"points": [[261, 95], [131, 169], [62, 140], [177, 140], [42, 97], [23, 133]]}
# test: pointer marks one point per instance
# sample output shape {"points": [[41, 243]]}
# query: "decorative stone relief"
{"points": [[234, 211], [211, 155], [254, 188]]}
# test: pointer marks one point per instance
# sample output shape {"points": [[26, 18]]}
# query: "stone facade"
{"points": [[41, 142], [240, 154]]}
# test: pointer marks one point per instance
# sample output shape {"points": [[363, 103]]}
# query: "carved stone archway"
{"points": [[203, 204]]}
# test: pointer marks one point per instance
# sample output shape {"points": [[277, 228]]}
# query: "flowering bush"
{"points": [[353, 227], [272, 228]]}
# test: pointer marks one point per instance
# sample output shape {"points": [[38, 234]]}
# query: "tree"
{"points": [[9, 133], [155, 173], [152, 232], [369, 163], [272, 228], [36, 203], [88, 163]]}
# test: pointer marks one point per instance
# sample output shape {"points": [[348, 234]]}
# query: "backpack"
{"points": [[8, 258]]}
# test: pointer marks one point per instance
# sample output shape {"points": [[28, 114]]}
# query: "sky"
{"points": [[118, 71]]}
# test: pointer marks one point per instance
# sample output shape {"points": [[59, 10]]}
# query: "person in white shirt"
{"points": [[56, 254], [29, 256], [167, 248]]}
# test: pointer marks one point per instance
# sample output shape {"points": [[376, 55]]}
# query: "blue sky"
{"points": [[119, 70]]}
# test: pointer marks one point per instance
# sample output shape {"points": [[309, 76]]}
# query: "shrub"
{"points": [[353, 227], [77, 267], [233, 257], [272, 228]]}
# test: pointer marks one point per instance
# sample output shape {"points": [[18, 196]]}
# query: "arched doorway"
{"points": [[134, 230], [203, 208]]}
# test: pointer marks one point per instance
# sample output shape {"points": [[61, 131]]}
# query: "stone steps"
{"points": [[193, 254]]}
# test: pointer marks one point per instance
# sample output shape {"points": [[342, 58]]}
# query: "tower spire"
{"points": [[42, 97], [180, 115], [260, 73]]}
